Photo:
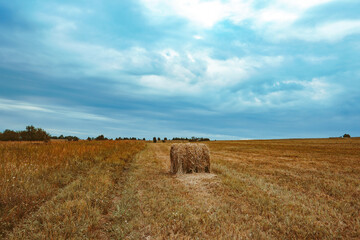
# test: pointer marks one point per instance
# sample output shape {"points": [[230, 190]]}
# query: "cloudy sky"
{"points": [[224, 69]]}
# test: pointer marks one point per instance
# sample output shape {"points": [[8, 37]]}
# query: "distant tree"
{"points": [[73, 138], [193, 139], [100, 137], [10, 135], [203, 139], [165, 138], [144, 139], [89, 139], [154, 139], [34, 134], [181, 138], [30, 134], [346, 135], [158, 139]]}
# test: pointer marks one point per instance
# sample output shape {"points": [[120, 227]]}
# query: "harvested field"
{"points": [[270, 189], [59, 190]]}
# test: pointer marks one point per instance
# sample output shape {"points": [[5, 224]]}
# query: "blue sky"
{"points": [[221, 69]]}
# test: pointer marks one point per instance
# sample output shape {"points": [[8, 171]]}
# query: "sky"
{"points": [[223, 69]]}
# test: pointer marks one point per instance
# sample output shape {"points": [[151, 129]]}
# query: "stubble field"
{"points": [[270, 189]]}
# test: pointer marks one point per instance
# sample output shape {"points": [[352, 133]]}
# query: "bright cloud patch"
{"points": [[208, 13], [285, 94], [202, 13], [331, 32], [199, 73]]}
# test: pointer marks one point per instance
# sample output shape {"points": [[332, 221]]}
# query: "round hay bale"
{"points": [[189, 158]]}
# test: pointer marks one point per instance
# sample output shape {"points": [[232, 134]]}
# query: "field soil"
{"points": [[270, 189]]}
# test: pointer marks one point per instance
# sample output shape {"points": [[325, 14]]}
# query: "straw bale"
{"points": [[189, 158]]}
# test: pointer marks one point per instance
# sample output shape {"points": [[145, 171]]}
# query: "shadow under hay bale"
{"points": [[189, 158]]}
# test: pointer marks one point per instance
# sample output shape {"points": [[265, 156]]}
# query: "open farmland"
{"points": [[59, 190], [270, 189]]}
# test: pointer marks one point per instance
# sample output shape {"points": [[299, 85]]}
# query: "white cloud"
{"points": [[102, 60], [202, 13], [331, 32], [302, 4], [196, 111], [317, 89], [274, 15], [71, 10], [190, 57], [284, 94], [169, 54], [207, 13], [163, 85], [274, 20], [11, 105], [198, 73], [229, 72], [56, 131], [317, 59], [14, 105], [198, 37], [326, 32]]}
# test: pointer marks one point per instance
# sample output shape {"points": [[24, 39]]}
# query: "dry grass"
{"points": [[155, 204], [51, 190], [295, 188], [278, 189]]}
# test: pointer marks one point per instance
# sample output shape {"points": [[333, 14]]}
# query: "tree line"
{"points": [[192, 139], [32, 133], [69, 138], [102, 137]]}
